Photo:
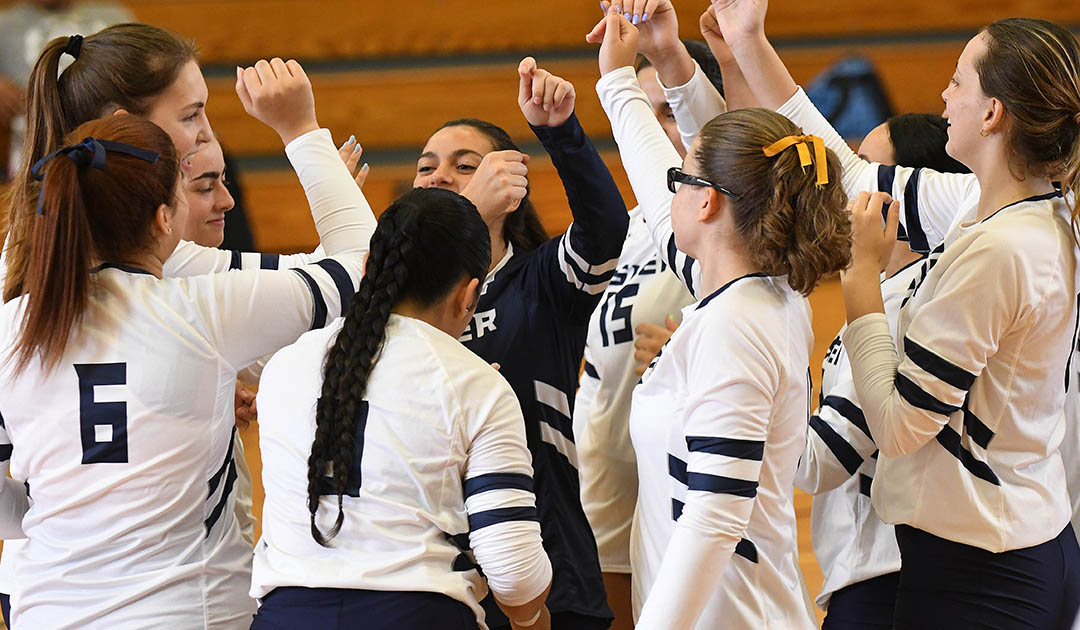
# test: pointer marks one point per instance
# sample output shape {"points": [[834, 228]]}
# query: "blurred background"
{"points": [[391, 72]]}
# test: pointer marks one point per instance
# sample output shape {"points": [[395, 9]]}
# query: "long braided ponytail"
{"points": [[426, 242]]}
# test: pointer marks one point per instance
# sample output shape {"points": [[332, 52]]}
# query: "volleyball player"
{"points": [[535, 305], [394, 447], [638, 300], [714, 540], [966, 405], [119, 385]]}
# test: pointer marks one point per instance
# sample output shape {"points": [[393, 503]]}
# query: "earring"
{"points": [[984, 133]]}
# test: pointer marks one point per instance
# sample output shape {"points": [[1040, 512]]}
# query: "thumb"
{"points": [[525, 71], [892, 220], [670, 323], [597, 34]]}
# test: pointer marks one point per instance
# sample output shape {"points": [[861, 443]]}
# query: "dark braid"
{"points": [[425, 243]]}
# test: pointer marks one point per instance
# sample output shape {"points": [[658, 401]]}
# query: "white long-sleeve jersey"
{"points": [[851, 543], [441, 466], [126, 446], [641, 291], [718, 426], [970, 405]]}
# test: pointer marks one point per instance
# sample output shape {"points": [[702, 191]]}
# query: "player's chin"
{"points": [[213, 233]]}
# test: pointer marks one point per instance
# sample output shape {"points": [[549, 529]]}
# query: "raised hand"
{"points": [[499, 184], [278, 94], [657, 23], [740, 19], [545, 99], [246, 410], [714, 37], [649, 339], [350, 153], [618, 41]]}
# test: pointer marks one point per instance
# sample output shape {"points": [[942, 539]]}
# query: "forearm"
{"points": [[737, 90], [673, 63], [343, 218], [765, 72], [694, 103]]}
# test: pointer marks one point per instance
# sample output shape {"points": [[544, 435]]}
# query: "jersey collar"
{"points": [[709, 298], [124, 268]]}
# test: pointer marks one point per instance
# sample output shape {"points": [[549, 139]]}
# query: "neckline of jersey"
{"points": [[125, 268], [1033, 198], [708, 298]]}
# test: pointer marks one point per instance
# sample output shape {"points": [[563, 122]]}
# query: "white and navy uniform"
{"points": [[532, 318], [127, 445], [441, 459], [641, 291], [966, 403], [851, 543], [714, 542]]}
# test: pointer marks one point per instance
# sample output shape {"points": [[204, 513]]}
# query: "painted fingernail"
{"points": [[626, 15], [352, 138], [617, 8], [644, 16], [357, 149], [364, 167], [635, 20], [602, 9]]}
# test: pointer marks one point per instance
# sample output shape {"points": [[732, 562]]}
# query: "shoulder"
{"points": [[469, 377]]}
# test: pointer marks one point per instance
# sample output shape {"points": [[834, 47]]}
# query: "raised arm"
{"points": [[589, 250], [504, 528], [929, 201], [280, 95], [644, 148]]}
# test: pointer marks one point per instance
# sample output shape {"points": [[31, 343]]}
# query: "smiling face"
{"points": [[966, 106], [450, 158], [207, 197], [180, 110]]}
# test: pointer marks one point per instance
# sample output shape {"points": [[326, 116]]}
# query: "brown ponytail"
{"points": [[124, 66], [89, 215], [791, 225], [1033, 67]]}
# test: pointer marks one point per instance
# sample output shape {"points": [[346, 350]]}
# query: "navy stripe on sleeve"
{"points": [[677, 468], [917, 240], [676, 509], [722, 485], [940, 368], [487, 518], [5, 452], [846, 454], [319, 318], [730, 447], [849, 410], [746, 549], [950, 439], [230, 479], [886, 176], [236, 260], [269, 261], [341, 279], [917, 397], [2, 425], [497, 481], [865, 483], [590, 369], [979, 432], [216, 479]]}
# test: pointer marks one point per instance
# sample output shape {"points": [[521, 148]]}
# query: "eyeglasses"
{"points": [[676, 175]]}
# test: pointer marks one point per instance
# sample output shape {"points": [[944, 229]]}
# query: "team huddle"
{"points": [[468, 423]]}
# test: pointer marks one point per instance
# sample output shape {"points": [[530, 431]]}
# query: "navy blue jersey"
{"points": [[532, 319]]}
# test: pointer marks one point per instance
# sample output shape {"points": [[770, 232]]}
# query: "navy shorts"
{"points": [[944, 584], [298, 608], [866, 605]]}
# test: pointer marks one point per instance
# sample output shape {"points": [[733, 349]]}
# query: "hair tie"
{"points": [[89, 152], [800, 143], [74, 46]]}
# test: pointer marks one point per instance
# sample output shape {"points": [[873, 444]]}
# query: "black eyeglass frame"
{"points": [[676, 174]]}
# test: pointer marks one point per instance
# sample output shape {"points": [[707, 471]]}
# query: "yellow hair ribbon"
{"points": [[800, 143]]}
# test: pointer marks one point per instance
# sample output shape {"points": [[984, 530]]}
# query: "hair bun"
{"points": [[74, 46]]}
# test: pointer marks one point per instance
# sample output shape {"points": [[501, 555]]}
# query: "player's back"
{"points": [[126, 450]]}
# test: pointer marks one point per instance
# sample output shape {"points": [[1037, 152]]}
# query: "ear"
{"points": [[120, 110], [711, 205], [993, 117], [163, 220], [468, 297]]}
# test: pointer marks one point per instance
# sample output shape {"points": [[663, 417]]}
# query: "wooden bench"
{"points": [[242, 30]]}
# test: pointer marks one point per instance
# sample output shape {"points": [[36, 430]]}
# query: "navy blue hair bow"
{"points": [[89, 152]]}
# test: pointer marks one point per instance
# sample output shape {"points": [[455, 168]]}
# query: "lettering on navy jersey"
{"points": [[482, 323]]}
